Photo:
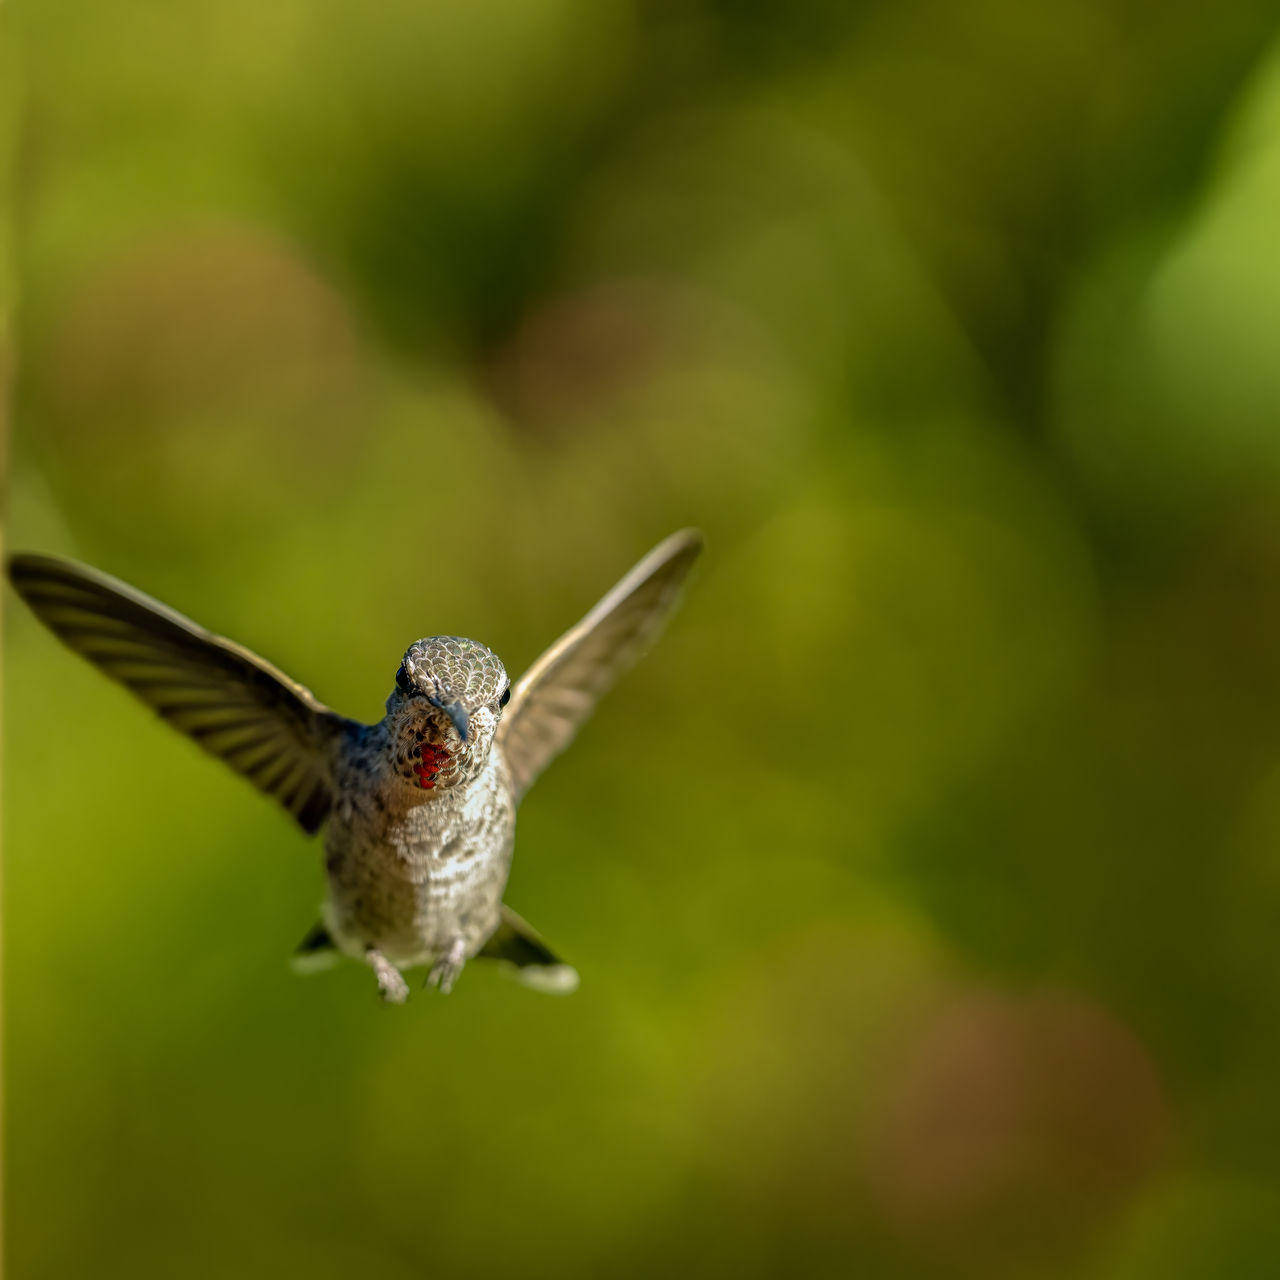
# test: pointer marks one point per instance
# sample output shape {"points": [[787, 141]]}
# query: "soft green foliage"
{"points": [[924, 880]]}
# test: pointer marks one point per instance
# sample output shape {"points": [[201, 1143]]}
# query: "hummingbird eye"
{"points": [[403, 683], [506, 697]]}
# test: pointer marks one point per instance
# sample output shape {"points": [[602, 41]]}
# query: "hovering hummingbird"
{"points": [[421, 806]]}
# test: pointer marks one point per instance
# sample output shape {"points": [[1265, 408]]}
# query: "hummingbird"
{"points": [[419, 808]]}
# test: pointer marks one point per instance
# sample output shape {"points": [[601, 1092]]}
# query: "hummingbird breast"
{"points": [[413, 876]]}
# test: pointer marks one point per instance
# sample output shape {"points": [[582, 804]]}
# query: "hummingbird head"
{"points": [[445, 709]]}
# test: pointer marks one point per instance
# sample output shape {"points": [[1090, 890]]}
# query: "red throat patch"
{"points": [[433, 760]]}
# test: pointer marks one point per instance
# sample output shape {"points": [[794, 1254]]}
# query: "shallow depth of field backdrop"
{"points": [[924, 880]]}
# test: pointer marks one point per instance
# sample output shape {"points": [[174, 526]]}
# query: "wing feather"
{"points": [[550, 702], [232, 703]]}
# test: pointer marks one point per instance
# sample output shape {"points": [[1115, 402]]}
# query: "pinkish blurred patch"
{"points": [[213, 362], [593, 356], [854, 1088], [1015, 1127]]}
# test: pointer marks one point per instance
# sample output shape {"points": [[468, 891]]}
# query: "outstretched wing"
{"points": [[232, 703], [555, 696]]}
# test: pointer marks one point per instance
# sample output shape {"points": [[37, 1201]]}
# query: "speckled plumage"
{"points": [[416, 871], [421, 806]]}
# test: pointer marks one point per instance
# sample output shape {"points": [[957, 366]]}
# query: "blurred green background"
{"points": [[925, 878]]}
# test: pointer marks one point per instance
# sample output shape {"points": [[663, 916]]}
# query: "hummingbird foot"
{"points": [[391, 983], [444, 973]]}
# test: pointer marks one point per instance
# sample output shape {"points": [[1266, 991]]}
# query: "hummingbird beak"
{"points": [[457, 713]]}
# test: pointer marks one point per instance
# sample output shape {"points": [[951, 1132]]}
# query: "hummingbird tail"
{"points": [[315, 952], [516, 943]]}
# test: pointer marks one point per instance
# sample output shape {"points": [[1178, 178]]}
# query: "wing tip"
{"points": [[669, 563], [670, 560], [26, 569], [20, 565], [687, 542]]}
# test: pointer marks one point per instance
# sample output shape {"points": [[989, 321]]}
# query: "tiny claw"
{"points": [[391, 984], [444, 973]]}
